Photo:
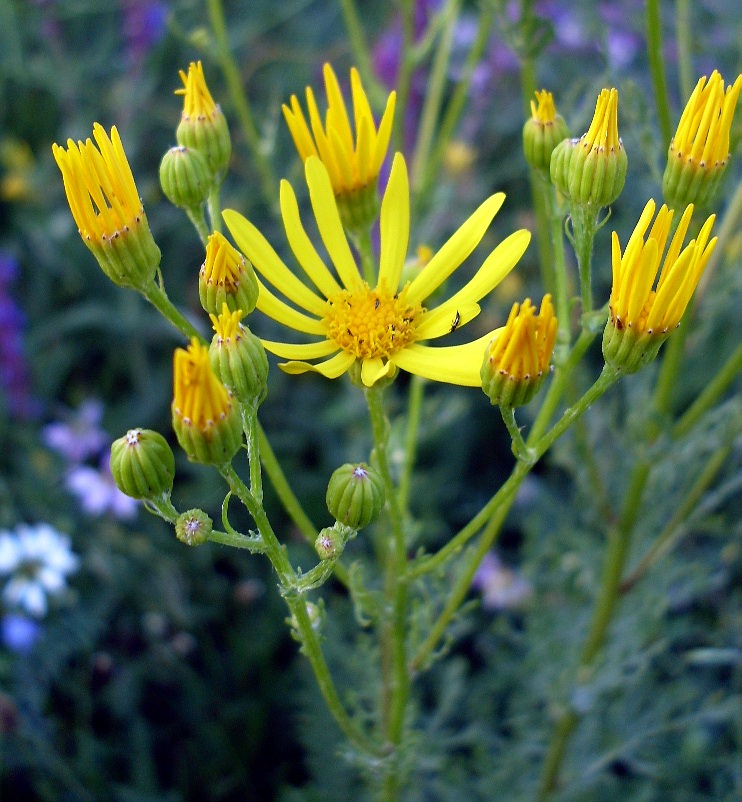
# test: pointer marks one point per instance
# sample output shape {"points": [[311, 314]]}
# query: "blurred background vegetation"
{"points": [[164, 673]]}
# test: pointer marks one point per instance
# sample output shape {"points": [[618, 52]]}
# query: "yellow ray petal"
{"points": [[266, 261], [269, 305], [444, 319], [394, 225], [456, 364], [374, 369], [494, 269], [337, 113], [384, 134], [302, 246], [300, 351], [330, 369], [456, 249], [328, 221]]}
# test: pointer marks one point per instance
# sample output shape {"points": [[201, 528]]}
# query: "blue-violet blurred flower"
{"points": [[19, 633], [502, 588], [14, 375], [36, 560], [97, 492], [80, 436]]}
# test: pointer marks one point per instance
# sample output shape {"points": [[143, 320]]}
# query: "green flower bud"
{"points": [[329, 543], [226, 277], [238, 358], [185, 177], [543, 132], [591, 171], [355, 495], [193, 527], [142, 464], [202, 126]]}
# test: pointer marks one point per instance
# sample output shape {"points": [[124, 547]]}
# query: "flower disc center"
{"points": [[371, 323]]}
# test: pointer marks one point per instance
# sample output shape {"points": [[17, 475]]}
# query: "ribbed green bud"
{"points": [[359, 207], [238, 358], [142, 464], [210, 136], [226, 277], [686, 182], [355, 495], [543, 132], [185, 177], [193, 527], [330, 543], [213, 444], [629, 352]]}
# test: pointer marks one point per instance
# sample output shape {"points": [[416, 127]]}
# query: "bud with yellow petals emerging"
{"points": [[591, 170], [202, 126], [517, 358], [205, 418], [105, 203], [543, 131], [642, 318], [699, 151], [226, 277], [353, 166], [238, 357]]}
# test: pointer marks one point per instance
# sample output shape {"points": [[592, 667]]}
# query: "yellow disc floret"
{"points": [[371, 323]]}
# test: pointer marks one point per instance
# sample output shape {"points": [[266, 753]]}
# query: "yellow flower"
{"points": [[353, 166], [641, 318], [202, 126], [381, 327], [591, 170], [105, 203], [205, 419], [699, 150], [517, 357], [226, 277]]}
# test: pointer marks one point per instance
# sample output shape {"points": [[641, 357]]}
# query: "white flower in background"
{"points": [[36, 560]]}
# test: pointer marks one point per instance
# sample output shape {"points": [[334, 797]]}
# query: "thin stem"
{"points": [[404, 74], [414, 408], [678, 524], [505, 498], [249, 425], [366, 251], [240, 102], [397, 679], [197, 217], [215, 214], [684, 40], [434, 93], [233, 539], [358, 44], [653, 26], [158, 298], [710, 395], [297, 605], [520, 449], [561, 292], [618, 548], [459, 97], [584, 226]]}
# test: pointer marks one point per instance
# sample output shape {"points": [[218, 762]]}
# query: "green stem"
{"points": [[404, 76], [197, 217], [561, 291], [653, 26], [584, 226], [233, 539], [414, 409], [710, 395], [520, 449], [538, 194], [434, 94], [618, 549], [358, 44], [215, 214], [240, 102], [249, 417], [677, 525], [459, 97], [158, 298], [505, 497], [397, 678], [297, 605], [366, 251], [684, 40]]}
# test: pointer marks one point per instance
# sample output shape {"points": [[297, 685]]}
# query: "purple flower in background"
{"points": [[502, 588], [19, 633], [97, 492], [14, 375], [144, 26], [36, 560], [80, 436]]}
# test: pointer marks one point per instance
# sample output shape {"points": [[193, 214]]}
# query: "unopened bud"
{"points": [[185, 177], [193, 527], [355, 495], [142, 464]]}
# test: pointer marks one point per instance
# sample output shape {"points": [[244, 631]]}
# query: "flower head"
{"points": [[379, 328], [226, 277], [205, 419], [353, 164], [37, 560], [517, 357], [105, 203], [699, 151], [202, 126], [641, 318], [591, 170], [543, 131]]}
